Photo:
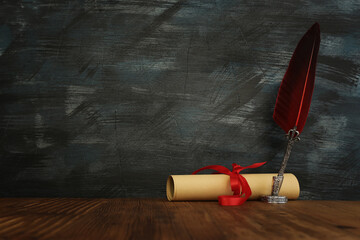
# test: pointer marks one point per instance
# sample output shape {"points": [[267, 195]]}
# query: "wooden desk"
{"points": [[160, 219]]}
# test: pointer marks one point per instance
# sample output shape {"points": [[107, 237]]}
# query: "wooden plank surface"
{"points": [[57, 218]]}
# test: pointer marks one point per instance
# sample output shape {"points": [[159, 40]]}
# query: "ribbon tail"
{"points": [[231, 200], [255, 165]]}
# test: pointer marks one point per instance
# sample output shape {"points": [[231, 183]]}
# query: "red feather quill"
{"points": [[294, 97]]}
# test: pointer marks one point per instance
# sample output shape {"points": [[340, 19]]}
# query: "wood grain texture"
{"points": [[108, 98], [159, 219]]}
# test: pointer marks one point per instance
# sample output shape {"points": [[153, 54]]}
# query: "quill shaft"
{"points": [[304, 89]]}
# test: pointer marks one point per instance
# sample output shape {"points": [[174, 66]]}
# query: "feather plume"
{"points": [[294, 97]]}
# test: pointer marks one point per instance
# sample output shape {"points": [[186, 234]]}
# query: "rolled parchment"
{"points": [[210, 186]]}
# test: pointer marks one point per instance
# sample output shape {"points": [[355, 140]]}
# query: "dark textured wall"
{"points": [[107, 98]]}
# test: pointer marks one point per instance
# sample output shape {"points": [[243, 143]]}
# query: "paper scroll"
{"points": [[210, 186]]}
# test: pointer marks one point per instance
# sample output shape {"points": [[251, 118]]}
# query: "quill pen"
{"points": [[295, 92]]}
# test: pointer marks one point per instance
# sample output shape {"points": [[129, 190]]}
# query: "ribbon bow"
{"points": [[238, 183]]}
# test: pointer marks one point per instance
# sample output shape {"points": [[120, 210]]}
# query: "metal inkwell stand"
{"points": [[294, 98]]}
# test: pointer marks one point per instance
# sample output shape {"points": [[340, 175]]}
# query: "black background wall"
{"points": [[107, 98]]}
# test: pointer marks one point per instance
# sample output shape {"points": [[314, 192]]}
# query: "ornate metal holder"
{"points": [[292, 137]]}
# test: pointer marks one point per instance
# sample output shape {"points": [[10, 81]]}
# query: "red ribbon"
{"points": [[238, 183]]}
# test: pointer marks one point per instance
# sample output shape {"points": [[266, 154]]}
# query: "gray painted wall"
{"points": [[107, 98]]}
